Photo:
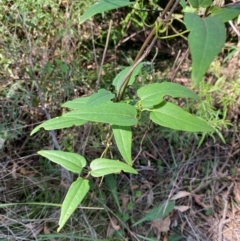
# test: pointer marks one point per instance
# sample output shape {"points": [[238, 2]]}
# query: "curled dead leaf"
{"points": [[182, 208], [125, 199], [112, 226], [114, 223], [47, 231], [180, 194], [14, 170], [135, 187], [161, 225], [149, 198], [199, 202]]}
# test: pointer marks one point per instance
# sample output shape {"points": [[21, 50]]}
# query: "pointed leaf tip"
{"points": [[74, 197], [71, 161], [206, 39]]}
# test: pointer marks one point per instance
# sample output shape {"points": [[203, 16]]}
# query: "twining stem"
{"points": [[108, 144], [141, 55], [147, 46], [152, 33]]}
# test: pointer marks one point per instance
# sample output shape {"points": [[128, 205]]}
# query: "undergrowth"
{"points": [[47, 58]]}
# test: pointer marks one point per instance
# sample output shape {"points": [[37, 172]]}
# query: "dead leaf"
{"points": [[47, 231], [182, 208], [199, 202], [216, 197], [125, 200], [25, 172], [114, 223], [180, 194], [161, 225], [146, 182], [236, 191], [149, 199], [14, 170], [134, 187], [165, 238], [112, 226], [64, 184]]}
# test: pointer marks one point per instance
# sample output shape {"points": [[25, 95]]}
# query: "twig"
{"points": [[141, 144], [139, 60], [94, 48], [180, 62], [223, 219], [172, 10], [91, 230], [234, 28], [150, 39], [104, 55], [128, 38]]}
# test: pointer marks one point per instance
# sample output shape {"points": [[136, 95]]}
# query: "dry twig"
{"points": [[224, 214]]}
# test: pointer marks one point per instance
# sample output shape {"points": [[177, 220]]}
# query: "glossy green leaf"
{"points": [[102, 166], [71, 161], [74, 197], [113, 113], [102, 96], [117, 82], [206, 39], [76, 103], [158, 212], [200, 3], [123, 138], [227, 13], [103, 6], [152, 94], [172, 116], [59, 123]]}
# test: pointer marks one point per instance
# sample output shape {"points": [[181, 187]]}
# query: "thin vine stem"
{"points": [[142, 54], [171, 6]]}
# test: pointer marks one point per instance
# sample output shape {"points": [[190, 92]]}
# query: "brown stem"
{"points": [[144, 46], [146, 42]]}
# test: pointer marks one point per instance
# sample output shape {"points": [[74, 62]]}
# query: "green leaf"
{"points": [[152, 94], [76, 103], [227, 13], [102, 96], [58, 123], [103, 6], [111, 184], [200, 3], [123, 138], [71, 161], [74, 197], [113, 113], [172, 116], [135, 72], [158, 212], [117, 82], [102, 166], [206, 39]]}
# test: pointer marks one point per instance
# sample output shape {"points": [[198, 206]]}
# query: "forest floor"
{"points": [[50, 64]]}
